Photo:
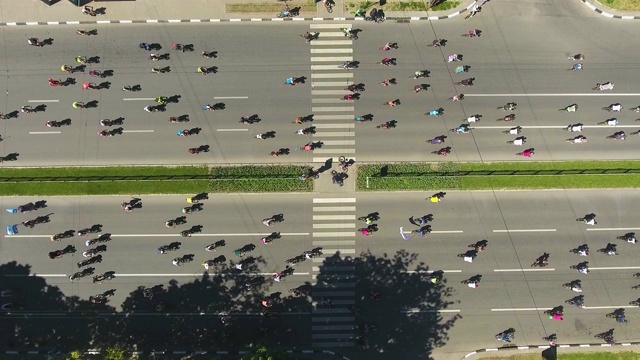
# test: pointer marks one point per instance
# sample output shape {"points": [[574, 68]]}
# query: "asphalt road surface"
{"points": [[520, 57], [519, 227]]}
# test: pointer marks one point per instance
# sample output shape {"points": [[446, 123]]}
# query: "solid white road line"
{"points": [[332, 75], [553, 95], [229, 97], [44, 132], [333, 208], [333, 117], [320, 135], [334, 217], [329, 26], [231, 130], [549, 308], [336, 151], [530, 270], [613, 229], [169, 235], [139, 99], [147, 275], [552, 127], [523, 230], [330, 83], [138, 131], [43, 101], [334, 126], [333, 200], [334, 159], [332, 51], [334, 234], [335, 226], [331, 58]]}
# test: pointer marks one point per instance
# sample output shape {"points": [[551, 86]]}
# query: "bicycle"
{"points": [[328, 4]]}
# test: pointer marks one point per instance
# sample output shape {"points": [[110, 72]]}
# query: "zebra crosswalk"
{"points": [[333, 276], [328, 83]]}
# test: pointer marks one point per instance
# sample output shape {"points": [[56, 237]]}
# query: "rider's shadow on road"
{"points": [[92, 104]]}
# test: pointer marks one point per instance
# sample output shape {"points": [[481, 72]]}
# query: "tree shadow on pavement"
{"points": [[396, 307]]}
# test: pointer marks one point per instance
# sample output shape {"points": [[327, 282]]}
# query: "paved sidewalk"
{"points": [[34, 12]]}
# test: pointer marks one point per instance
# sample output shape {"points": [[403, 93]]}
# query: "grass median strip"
{"points": [[402, 5], [499, 176], [624, 5], [152, 180], [271, 7]]}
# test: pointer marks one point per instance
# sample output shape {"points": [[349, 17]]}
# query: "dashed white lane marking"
{"points": [[526, 270], [615, 268], [333, 200], [613, 229], [441, 232], [43, 101], [44, 132], [600, 93], [138, 131], [416, 310], [523, 230], [231, 130]]}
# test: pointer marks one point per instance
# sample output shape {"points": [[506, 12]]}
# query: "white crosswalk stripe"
{"points": [[334, 296], [334, 218]]}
